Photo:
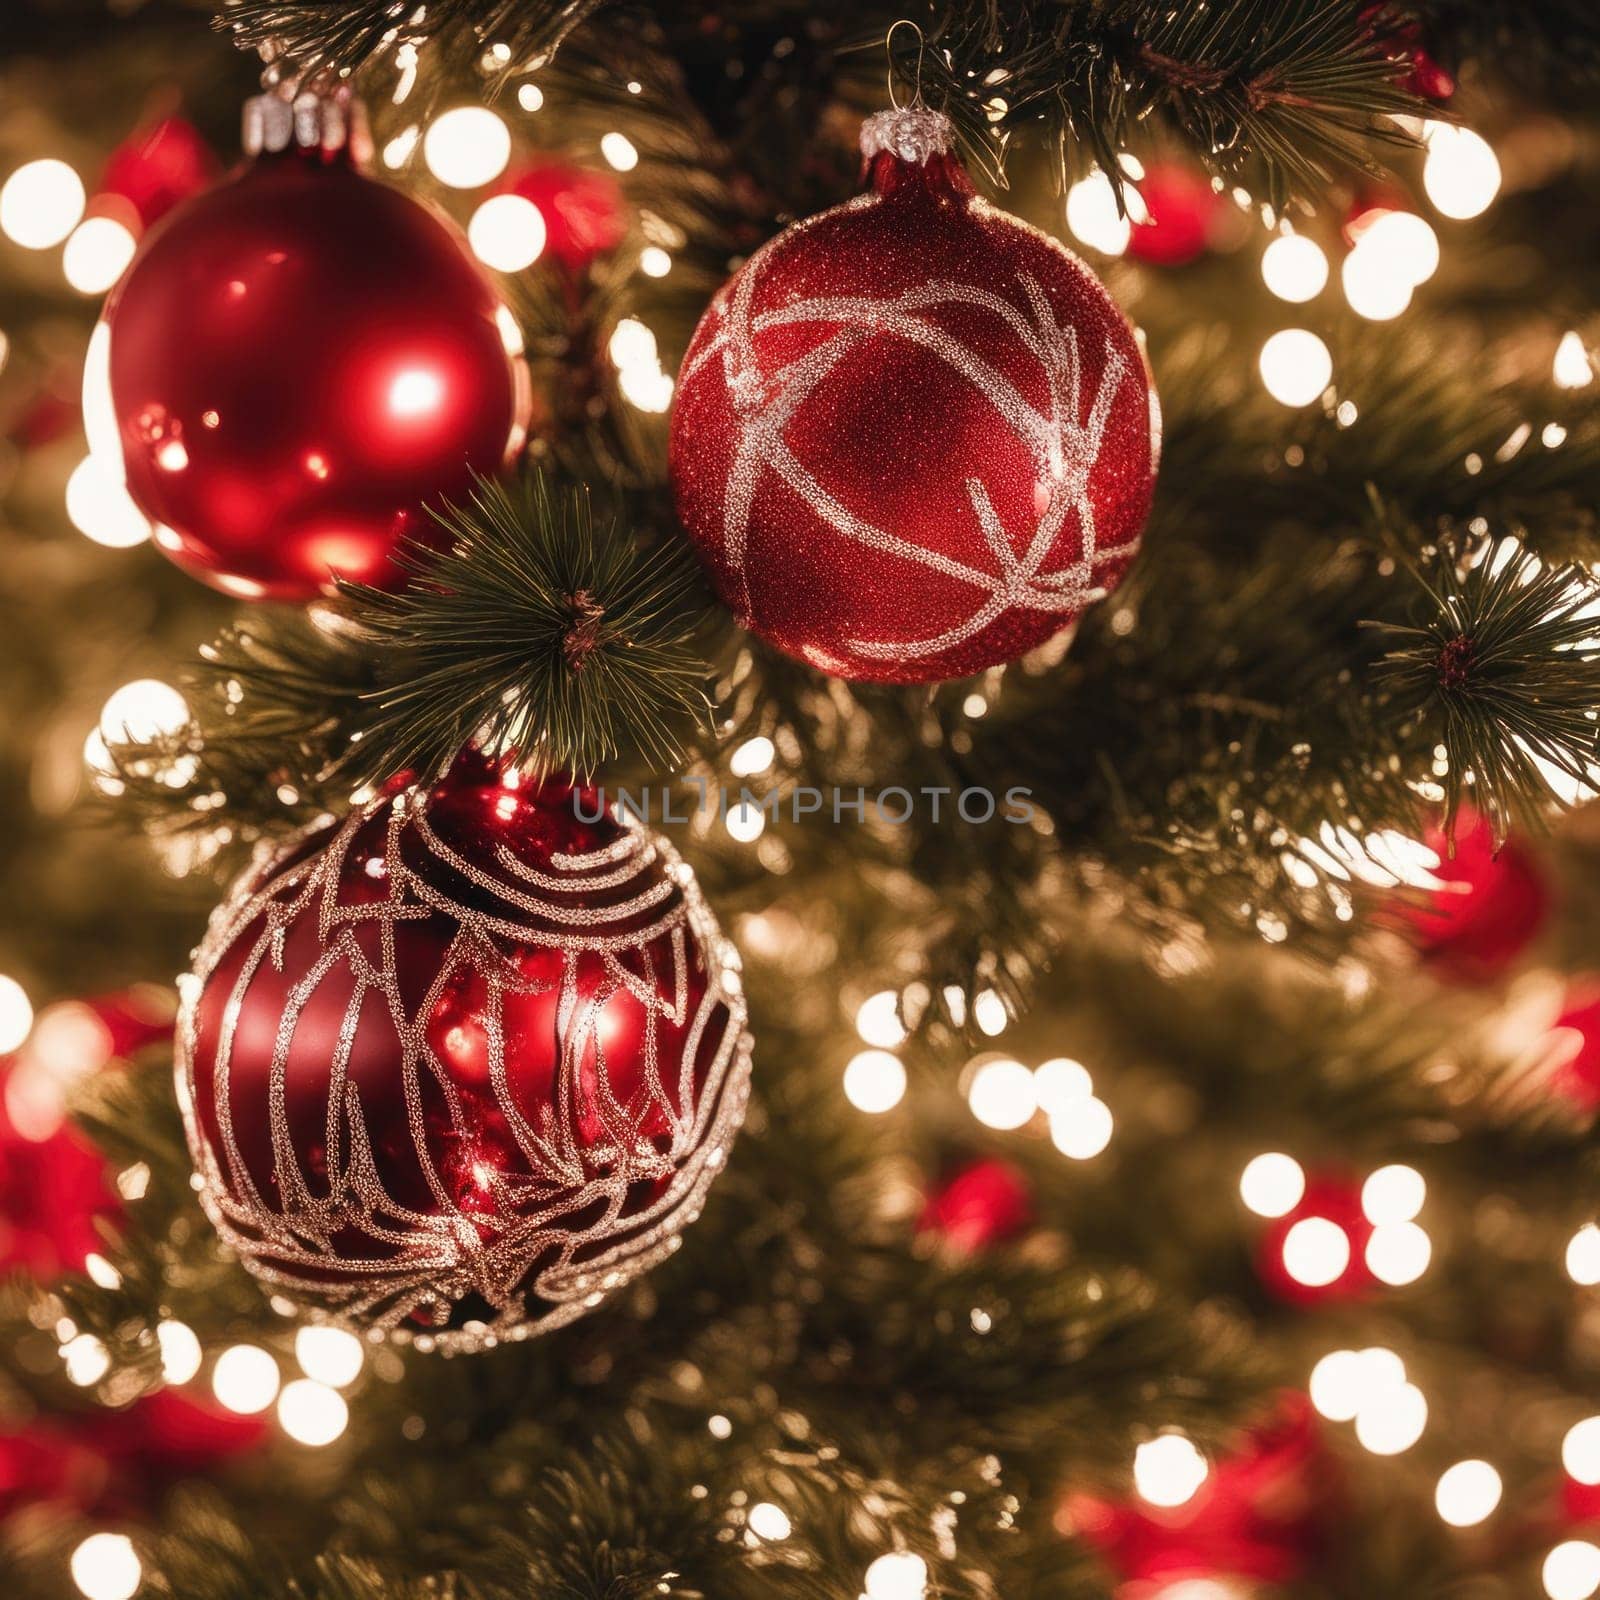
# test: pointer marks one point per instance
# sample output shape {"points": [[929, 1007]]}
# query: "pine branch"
{"points": [[1501, 671]]}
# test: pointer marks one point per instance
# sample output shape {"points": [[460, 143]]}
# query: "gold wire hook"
{"points": [[922, 45]]}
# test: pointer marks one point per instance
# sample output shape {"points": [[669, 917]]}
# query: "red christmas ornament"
{"points": [[985, 1203], [1266, 1513], [158, 167], [1181, 209], [913, 436], [466, 1063], [1328, 1200], [301, 361], [584, 212], [1490, 906]]}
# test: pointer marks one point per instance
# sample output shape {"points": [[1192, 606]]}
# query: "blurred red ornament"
{"points": [[159, 166], [1576, 1075], [584, 212], [1314, 1266], [466, 1063], [1181, 209], [1266, 1512], [913, 437], [1489, 908], [301, 361], [1397, 34], [984, 1203]]}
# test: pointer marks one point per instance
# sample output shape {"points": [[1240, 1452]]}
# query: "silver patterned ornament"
{"points": [[459, 1067]]}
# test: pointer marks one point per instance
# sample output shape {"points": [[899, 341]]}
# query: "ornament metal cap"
{"points": [[912, 133], [326, 121]]}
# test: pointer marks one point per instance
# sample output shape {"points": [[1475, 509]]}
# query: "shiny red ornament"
{"points": [[464, 1064], [1489, 907], [1181, 210], [1268, 1512], [913, 437], [584, 212], [301, 361], [982, 1204]]}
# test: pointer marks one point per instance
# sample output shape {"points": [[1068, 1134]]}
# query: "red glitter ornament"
{"points": [[913, 436], [464, 1064], [301, 360]]}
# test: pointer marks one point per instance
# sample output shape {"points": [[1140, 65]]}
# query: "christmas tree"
{"points": [[865, 733]]}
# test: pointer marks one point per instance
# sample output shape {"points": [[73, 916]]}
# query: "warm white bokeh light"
{"points": [[106, 1567], [1461, 174], [16, 1014], [1294, 268], [1394, 1422], [1580, 1451], [41, 203], [87, 1360], [1393, 1194], [874, 1081], [745, 822], [1316, 1252], [1060, 1084], [1093, 217], [1168, 1471], [97, 254], [180, 1351], [1398, 1253], [1404, 242], [755, 755], [1372, 287], [1572, 1570], [100, 508], [1337, 1385], [989, 1012], [245, 1379], [899, 1575], [878, 1019], [311, 1413], [507, 232], [1583, 1256], [1001, 1094], [467, 148], [1272, 1184], [1295, 366], [330, 1355], [1571, 367], [631, 344], [769, 1522], [619, 151], [1467, 1493], [1083, 1130], [142, 710]]}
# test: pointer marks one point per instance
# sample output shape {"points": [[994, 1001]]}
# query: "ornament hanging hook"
{"points": [[922, 46]]}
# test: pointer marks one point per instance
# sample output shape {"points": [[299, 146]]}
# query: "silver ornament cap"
{"points": [[912, 133], [326, 121]]}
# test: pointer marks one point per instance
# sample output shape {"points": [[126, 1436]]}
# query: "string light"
{"points": [[1083, 1130], [530, 97], [16, 1014], [87, 1360], [467, 147], [874, 1081], [1095, 218], [1316, 1251], [1294, 268], [1583, 1256], [898, 1575], [507, 232], [1338, 1382], [106, 1567], [878, 1020], [311, 1413], [1169, 1471], [97, 254], [745, 822], [141, 711], [101, 1272], [1461, 173], [1395, 1423], [180, 1351], [330, 1355], [769, 1522], [1060, 1084], [399, 149], [99, 507], [989, 1012], [619, 151], [1295, 366], [1572, 1570], [1001, 1094], [1398, 1253], [1467, 1493], [41, 204], [1372, 287], [1571, 367], [1580, 1452], [755, 755], [245, 1379], [1393, 1194], [654, 262], [1404, 242], [1272, 1184]]}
